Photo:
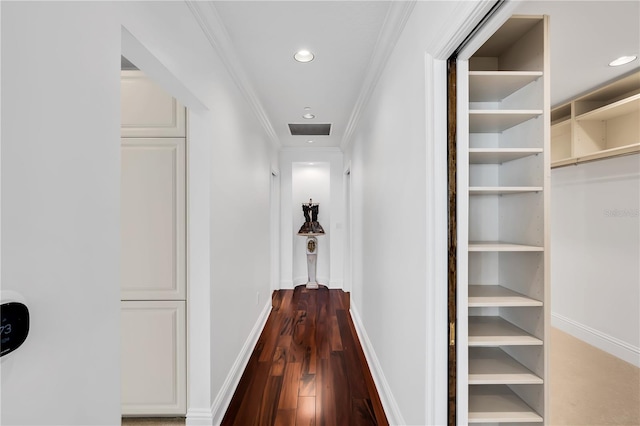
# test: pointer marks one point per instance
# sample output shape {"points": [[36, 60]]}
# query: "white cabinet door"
{"points": [[153, 219], [153, 358], [147, 110]]}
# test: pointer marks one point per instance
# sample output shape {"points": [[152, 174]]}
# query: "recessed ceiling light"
{"points": [[309, 141], [307, 108], [308, 116], [622, 60], [303, 56]]}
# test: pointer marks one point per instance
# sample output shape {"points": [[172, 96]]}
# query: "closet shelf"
{"points": [[493, 366], [605, 153], [497, 121], [497, 296], [502, 190], [495, 404], [623, 107], [501, 246], [499, 155], [493, 86], [495, 331]]}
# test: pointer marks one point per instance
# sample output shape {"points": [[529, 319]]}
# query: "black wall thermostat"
{"points": [[14, 326]]}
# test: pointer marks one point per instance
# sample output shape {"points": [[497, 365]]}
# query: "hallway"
{"points": [[308, 367]]}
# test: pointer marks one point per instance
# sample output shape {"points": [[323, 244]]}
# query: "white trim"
{"points": [[436, 380], [394, 23], [600, 340], [223, 399], [286, 284], [136, 52], [337, 284], [216, 33], [199, 417], [389, 403]]}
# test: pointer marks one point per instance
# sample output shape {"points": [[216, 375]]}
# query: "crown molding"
{"points": [[216, 33], [394, 22]]}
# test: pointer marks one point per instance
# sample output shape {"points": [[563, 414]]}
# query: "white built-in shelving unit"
{"points": [[503, 201], [600, 124]]}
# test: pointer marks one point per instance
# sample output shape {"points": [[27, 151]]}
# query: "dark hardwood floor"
{"points": [[307, 368]]}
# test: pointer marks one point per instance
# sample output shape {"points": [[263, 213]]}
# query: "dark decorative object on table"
{"points": [[311, 225]]}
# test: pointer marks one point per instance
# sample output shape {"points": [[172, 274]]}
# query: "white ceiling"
{"points": [[346, 36]]}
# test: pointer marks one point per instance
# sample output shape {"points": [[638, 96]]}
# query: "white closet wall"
{"points": [[153, 229]]}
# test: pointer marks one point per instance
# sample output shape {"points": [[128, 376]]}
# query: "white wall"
{"points": [[331, 217], [60, 211], [311, 180], [392, 290], [595, 247], [60, 203]]}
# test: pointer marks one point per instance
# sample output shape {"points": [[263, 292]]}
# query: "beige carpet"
{"points": [[591, 387], [588, 387]]}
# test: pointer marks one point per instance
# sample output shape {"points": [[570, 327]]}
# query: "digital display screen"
{"points": [[14, 326]]}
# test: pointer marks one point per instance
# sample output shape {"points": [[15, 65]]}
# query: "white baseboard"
{"points": [[336, 284], [286, 284], [223, 399], [600, 340], [199, 417], [389, 404]]}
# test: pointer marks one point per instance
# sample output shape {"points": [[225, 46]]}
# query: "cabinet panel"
{"points": [[147, 110], [153, 219], [153, 358]]}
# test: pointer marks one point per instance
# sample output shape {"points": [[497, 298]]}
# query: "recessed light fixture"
{"points": [[308, 116], [303, 56], [622, 60], [309, 141]]}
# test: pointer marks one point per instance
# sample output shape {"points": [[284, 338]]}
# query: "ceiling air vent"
{"points": [[310, 129]]}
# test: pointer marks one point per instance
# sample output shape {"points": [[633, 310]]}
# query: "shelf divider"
{"points": [[500, 155], [497, 404], [493, 86], [498, 296], [497, 121], [502, 190], [501, 246], [495, 331], [492, 366]]}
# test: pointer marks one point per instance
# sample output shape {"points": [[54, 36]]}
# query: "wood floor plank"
{"points": [[340, 390], [307, 385], [285, 418], [290, 386], [362, 413], [306, 412], [307, 368], [336, 339], [269, 402], [269, 340], [279, 361], [328, 397], [354, 369]]}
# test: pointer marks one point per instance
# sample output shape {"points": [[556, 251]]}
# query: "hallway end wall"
{"points": [[289, 224]]}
